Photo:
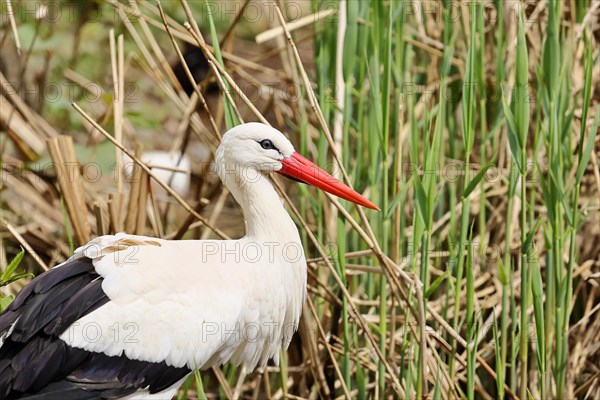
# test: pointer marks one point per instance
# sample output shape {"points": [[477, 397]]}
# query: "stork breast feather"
{"points": [[167, 331], [161, 308], [183, 309]]}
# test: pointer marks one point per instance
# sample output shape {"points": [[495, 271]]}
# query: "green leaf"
{"points": [[436, 283], [396, 201], [529, 237], [5, 302], [561, 197], [502, 272], [351, 38], [434, 154], [10, 269], [471, 186], [520, 96], [513, 137], [589, 146], [587, 87], [549, 200], [199, 387], [537, 287], [468, 101], [499, 360], [421, 199], [361, 382], [568, 211], [538, 308], [512, 182], [14, 278], [551, 52], [437, 392]]}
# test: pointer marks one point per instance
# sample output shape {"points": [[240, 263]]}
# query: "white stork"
{"points": [[131, 316]]}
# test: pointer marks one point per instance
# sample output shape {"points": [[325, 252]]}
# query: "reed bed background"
{"points": [[473, 125]]}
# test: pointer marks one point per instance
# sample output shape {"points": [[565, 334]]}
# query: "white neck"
{"points": [[265, 216]]}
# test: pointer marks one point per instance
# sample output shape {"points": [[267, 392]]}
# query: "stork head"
{"points": [[262, 148]]}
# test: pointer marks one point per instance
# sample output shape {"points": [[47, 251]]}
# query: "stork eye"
{"points": [[267, 144]]}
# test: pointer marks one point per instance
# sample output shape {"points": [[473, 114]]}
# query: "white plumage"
{"points": [[204, 310], [174, 305], [172, 168]]}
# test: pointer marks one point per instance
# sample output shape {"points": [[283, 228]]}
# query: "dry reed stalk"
{"points": [[117, 66], [137, 199], [24, 198], [325, 342], [200, 96], [25, 245], [181, 33], [155, 220], [13, 25], [340, 100], [69, 178], [221, 72], [101, 228], [309, 340], [151, 68], [292, 26], [112, 212], [20, 132], [216, 212], [165, 186], [40, 125], [3, 263], [160, 57], [223, 382], [142, 209]]}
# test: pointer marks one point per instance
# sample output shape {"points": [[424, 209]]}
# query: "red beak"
{"points": [[299, 168]]}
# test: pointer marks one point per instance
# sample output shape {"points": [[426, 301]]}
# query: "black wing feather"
{"points": [[48, 280], [36, 364], [83, 302], [42, 309]]}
